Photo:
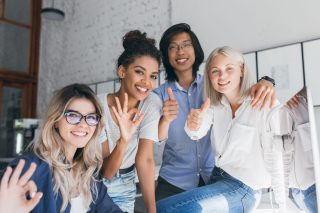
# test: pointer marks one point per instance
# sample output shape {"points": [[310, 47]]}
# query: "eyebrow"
{"points": [[71, 110], [138, 66], [174, 42], [141, 67]]}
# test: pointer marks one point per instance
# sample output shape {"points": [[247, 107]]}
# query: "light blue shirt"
{"points": [[184, 160]]}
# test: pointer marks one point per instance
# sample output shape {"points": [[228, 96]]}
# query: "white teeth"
{"points": [[223, 84], [78, 133], [142, 89], [182, 60]]}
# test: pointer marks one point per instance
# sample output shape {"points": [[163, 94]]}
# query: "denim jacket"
{"points": [[51, 202]]}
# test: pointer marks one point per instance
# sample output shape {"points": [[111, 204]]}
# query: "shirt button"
{"points": [[198, 174], [200, 170], [198, 156], [189, 94]]}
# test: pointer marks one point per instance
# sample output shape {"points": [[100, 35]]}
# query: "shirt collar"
{"points": [[224, 101], [176, 86]]}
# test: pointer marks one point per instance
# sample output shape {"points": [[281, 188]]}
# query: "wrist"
{"points": [[267, 78], [122, 141]]}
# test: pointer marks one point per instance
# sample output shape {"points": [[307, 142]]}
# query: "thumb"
{"points": [[170, 94], [205, 106]]}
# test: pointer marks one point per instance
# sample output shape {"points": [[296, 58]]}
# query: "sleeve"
{"points": [[204, 128], [274, 154], [103, 136], [148, 128], [103, 203]]}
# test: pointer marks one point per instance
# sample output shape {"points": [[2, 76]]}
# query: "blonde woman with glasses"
{"points": [[68, 155]]}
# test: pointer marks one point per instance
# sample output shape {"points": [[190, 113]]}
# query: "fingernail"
{"points": [[32, 194]]}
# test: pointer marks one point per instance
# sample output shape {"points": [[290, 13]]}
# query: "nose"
{"points": [[83, 123], [180, 49], [147, 81]]}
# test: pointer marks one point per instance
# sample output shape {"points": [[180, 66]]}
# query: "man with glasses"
{"points": [[187, 164]]}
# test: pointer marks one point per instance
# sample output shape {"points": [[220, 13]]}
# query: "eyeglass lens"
{"points": [[74, 118]]}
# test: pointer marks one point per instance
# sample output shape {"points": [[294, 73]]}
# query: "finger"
{"points": [[118, 105], [16, 173], [34, 201], [27, 175], [125, 104], [267, 98], [205, 106], [132, 112], [273, 99], [116, 113], [5, 178], [170, 94], [256, 97], [138, 120], [30, 187]]}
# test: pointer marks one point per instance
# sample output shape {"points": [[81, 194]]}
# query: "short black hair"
{"points": [[164, 44]]}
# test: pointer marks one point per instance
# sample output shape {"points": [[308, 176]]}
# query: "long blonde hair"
{"points": [[245, 83], [87, 160]]}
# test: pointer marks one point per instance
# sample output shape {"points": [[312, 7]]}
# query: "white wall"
{"points": [[249, 25], [85, 46]]}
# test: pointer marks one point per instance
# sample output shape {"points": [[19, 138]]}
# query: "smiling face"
{"points": [[181, 53], [76, 136], [141, 76], [225, 75]]}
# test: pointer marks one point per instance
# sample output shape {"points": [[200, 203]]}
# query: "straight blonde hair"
{"points": [[245, 82], [87, 160]]}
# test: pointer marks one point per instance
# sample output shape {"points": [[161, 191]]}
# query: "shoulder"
{"points": [[152, 98], [42, 166], [161, 91], [102, 98]]}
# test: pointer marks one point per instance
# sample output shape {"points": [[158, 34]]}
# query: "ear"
{"points": [[121, 72]]}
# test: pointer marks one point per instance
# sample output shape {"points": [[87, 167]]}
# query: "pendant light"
{"points": [[52, 13]]}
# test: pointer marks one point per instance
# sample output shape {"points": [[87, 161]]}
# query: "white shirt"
{"points": [[150, 107], [297, 128], [77, 205], [239, 142]]}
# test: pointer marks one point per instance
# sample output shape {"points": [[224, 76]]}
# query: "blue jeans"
{"points": [[122, 190], [306, 199], [224, 194]]}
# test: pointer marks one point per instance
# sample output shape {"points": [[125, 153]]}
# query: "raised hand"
{"points": [[263, 92], [13, 190], [293, 102], [170, 108], [124, 117], [195, 116]]}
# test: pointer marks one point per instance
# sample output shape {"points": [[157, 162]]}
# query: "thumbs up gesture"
{"points": [[170, 107], [196, 116]]}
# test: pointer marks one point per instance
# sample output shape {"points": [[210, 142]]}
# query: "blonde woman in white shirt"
{"points": [[237, 139]]}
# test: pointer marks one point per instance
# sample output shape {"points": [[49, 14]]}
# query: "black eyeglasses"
{"points": [[74, 117]]}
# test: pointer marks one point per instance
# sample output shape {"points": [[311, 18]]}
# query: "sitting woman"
{"points": [[68, 155], [238, 138]]}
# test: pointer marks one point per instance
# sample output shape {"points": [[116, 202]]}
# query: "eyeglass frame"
{"points": [[176, 47], [82, 116]]}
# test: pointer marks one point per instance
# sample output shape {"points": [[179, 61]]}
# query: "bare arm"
{"points": [[113, 161], [146, 172]]}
